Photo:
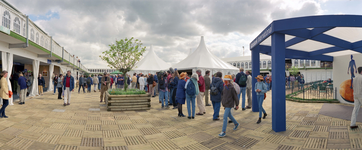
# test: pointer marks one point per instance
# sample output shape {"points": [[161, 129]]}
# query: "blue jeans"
{"points": [[216, 106], [5, 104], [55, 87], [163, 96], [146, 89], [89, 87], [301, 86], [260, 99], [81, 86], [242, 91], [267, 86], [190, 103], [227, 114], [99, 85]]}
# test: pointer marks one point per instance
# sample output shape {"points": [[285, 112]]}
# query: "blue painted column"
{"points": [[255, 60], [278, 78]]}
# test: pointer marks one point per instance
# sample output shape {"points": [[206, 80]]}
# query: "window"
{"points": [[250, 65], [238, 66], [17, 25], [42, 41], [313, 63], [302, 63], [32, 34], [264, 64], [24, 29], [6, 19], [242, 64], [234, 64], [269, 64], [46, 44], [296, 62], [307, 64], [37, 38]]}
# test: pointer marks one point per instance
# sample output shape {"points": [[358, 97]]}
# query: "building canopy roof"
{"points": [[202, 58], [151, 62], [314, 37]]}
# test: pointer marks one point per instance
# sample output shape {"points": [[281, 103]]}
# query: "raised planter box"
{"points": [[128, 102]]}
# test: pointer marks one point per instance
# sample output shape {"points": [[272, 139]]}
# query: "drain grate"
{"points": [[48, 138], [338, 129], [297, 118], [275, 139], [245, 142], [135, 140], [149, 131], [73, 133], [116, 148], [65, 147], [174, 134], [121, 117], [112, 134], [196, 146], [158, 123], [356, 143], [12, 131], [307, 123], [201, 136], [327, 119], [316, 143], [59, 126], [290, 126], [286, 147], [212, 142], [338, 135], [321, 128], [139, 121], [79, 122], [127, 127], [164, 145], [20, 143], [108, 122], [92, 142], [338, 123], [312, 115], [94, 118], [93, 127], [108, 115], [299, 134]]}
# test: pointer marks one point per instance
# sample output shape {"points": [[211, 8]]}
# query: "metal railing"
{"points": [[312, 90]]}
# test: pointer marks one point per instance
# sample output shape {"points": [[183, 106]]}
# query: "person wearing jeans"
{"points": [[60, 86], [260, 89], [55, 82], [163, 91], [190, 99], [216, 98], [229, 100], [357, 87], [242, 87]]}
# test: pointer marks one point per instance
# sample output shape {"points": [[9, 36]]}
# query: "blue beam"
{"points": [[358, 50], [333, 41], [255, 60], [278, 78], [326, 50], [357, 44], [293, 41]]}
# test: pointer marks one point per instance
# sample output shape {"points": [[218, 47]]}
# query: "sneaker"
{"points": [[65, 104], [208, 105], [354, 127], [243, 109], [222, 134], [68, 104], [230, 121], [236, 126], [248, 107], [5, 116]]}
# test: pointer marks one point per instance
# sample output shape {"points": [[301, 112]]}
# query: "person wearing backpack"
{"points": [[216, 89], [89, 83], [163, 90], [191, 92], [181, 93], [81, 83], [241, 79], [260, 89]]}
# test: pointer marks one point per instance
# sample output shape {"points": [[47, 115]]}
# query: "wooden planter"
{"points": [[128, 102]]}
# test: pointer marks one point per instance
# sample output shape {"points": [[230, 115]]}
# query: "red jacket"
{"points": [[201, 84], [111, 81]]}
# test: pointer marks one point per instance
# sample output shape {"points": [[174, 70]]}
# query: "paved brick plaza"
{"points": [[44, 123]]}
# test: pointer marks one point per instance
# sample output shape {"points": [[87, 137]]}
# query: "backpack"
{"points": [[162, 84], [191, 90], [89, 81], [214, 90], [242, 80]]}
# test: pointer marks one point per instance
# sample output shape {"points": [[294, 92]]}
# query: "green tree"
{"points": [[123, 55], [293, 71]]}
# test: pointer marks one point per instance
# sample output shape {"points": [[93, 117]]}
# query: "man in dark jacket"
{"points": [[242, 86], [41, 84], [106, 80], [150, 84], [81, 83], [68, 87], [216, 98], [23, 88], [155, 78], [207, 87]]}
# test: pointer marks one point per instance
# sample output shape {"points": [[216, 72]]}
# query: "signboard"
{"points": [[4, 29], [49, 61]]}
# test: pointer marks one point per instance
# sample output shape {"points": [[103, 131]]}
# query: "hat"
{"points": [[195, 76], [259, 77], [227, 77], [183, 75]]}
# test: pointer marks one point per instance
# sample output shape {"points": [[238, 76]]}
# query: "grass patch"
{"points": [[128, 92]]}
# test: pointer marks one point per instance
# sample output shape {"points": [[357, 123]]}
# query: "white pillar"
{"points": [[9, 69], [34, 91], [51, 70]]}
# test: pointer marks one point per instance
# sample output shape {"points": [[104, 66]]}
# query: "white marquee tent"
{"points": [[150, 63], [204, 60]]}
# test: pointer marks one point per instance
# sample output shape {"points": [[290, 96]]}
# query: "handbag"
{"points": [[154, 83], [264, 96], [10, 94]]}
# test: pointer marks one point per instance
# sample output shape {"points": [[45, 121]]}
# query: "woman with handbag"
{"points": [[4, 93]]}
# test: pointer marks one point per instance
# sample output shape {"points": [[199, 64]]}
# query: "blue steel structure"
{"points": [[303, 28]]}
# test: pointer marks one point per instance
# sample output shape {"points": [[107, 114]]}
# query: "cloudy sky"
{"points": [[173, 27]]}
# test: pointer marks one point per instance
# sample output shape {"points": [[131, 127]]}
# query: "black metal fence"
{"points": [[312, 90]]}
